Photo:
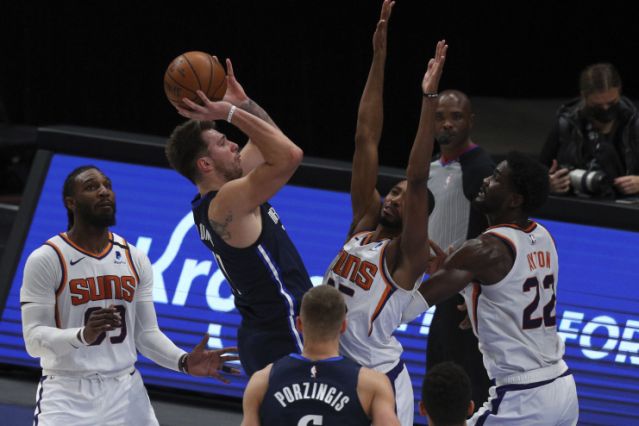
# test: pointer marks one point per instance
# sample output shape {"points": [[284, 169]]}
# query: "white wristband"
{"points": [[81, 337], [231, 112]]}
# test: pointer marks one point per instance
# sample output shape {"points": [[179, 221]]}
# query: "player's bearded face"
{"points": [[493, 194], [229, 169], [390, 215], [99, 214]]}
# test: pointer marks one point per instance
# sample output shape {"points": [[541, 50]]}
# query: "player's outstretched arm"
{"points": [[365, 199], [155, 345], [254, 395], [484, 259], [413, 256]]}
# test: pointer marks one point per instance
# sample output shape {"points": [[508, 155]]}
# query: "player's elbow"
{"points": [[296, 155], [34, 345], [291, 159]]}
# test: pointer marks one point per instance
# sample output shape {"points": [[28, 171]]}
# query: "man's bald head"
{"points": [[453, 121], [457, 97]]}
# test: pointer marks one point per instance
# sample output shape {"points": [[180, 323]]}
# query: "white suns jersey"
{"points": [[375, 303], [77, 283], [514, 319]]}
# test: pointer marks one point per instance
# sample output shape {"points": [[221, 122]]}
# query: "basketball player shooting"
{"points": [[236, 222], [87, 308]]}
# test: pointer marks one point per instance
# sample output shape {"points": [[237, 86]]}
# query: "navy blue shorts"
{"points": [[260, 347]]}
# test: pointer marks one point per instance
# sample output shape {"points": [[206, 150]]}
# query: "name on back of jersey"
{"points": [[204, 234], [538, 259], [316, 391]]}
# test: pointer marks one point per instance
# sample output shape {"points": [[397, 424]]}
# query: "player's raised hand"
{"points": [[235, 93], [430, 83], [209, 110], [101, 321], [210, 363], [379, 37]]}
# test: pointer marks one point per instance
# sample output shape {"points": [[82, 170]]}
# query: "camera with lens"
{"points": [[594, 183]]}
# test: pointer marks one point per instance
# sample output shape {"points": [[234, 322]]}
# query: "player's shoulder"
{"points": [[371, 382], [477, 253], [136, 254], [370, 377], [261, 377], [47, 252]]}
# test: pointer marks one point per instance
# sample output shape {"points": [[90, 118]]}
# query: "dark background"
{"points": [[102, 64]]}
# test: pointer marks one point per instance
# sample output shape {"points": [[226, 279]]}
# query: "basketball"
{"points": [[192, 71]]}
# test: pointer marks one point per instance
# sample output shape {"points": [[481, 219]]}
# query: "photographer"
{"points": [[593, 147]]}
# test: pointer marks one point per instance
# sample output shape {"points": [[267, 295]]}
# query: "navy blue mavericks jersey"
{"points": [[268, 278], [302, 392]]}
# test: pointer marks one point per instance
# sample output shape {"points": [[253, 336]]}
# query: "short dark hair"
{"points": [[68, 189], [185, 145], [446, 394], [322, 312], [529, 179], [599, 78]]}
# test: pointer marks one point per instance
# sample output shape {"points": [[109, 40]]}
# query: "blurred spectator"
{"points": [[597, 132]]}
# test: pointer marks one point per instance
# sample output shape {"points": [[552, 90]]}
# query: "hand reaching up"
{"points": [[235, 93], [430, 83], [379, 37]]}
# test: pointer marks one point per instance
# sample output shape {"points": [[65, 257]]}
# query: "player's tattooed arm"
{"points": [[252, 107], [221, 228]]}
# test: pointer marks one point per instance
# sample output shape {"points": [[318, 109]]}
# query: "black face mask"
{"points": [[603, 115]]}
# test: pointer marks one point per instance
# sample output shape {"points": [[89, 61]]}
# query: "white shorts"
{"points": [[552, 402], [403, 388], [98, 400]]}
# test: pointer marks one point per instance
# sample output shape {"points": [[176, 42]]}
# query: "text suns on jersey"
{"points": [[84, 290]]}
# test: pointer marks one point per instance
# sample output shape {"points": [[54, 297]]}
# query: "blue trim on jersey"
{"points": [[197, 200], [38, 408], [303, 358], [501, 391], [288, 298]]}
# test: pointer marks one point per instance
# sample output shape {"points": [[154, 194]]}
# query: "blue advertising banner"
{"points": [[597, 310]]}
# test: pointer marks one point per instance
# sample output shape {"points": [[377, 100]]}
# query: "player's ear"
{"points": [[203, 164], [516, 200], [69, 203], [422, 409], [342, 329], [298, 324], [471, 408]]}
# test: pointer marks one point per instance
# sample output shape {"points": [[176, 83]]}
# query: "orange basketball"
{"points": [[193, 71]]}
